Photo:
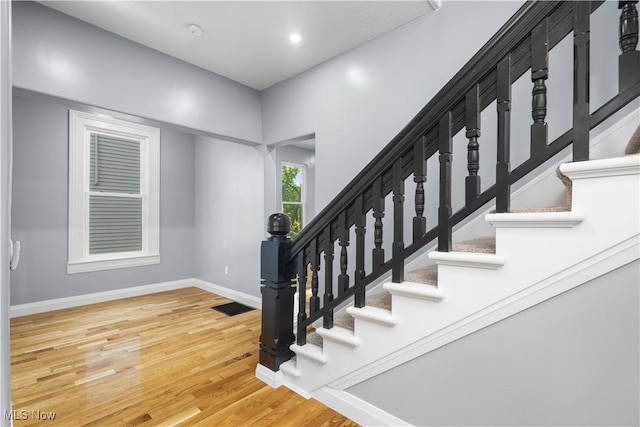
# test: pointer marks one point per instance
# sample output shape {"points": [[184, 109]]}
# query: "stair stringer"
{"points": [[535, 254]]}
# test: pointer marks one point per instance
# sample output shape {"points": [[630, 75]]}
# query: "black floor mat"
{"points": [[232, 308]]}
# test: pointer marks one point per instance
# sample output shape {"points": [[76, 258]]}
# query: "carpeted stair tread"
{"points": [[480, 245], [548, 209], [315, 339], [381, 300], [633, 147], [427, 275], [343, 320]]}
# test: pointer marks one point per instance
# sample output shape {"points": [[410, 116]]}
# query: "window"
{"points": [[293, 196], [114, 180]]}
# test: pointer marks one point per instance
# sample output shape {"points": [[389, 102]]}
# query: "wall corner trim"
{"points": [[241, 297]]}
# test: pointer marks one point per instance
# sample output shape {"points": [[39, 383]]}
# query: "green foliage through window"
{"points": [[292, 196]]}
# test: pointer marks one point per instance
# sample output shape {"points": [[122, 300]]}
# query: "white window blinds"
{"points": [[115, 201]]}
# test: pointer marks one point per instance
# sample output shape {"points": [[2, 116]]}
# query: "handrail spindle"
{"points": [[419, 177], [472, 119], [361, 228], [378, 214], [301, 268], [397, 261], [343, 229], [629, 59], [581, 16], [503, 166], [539, 75], [328, 278], [446, 157], [314, 301]]}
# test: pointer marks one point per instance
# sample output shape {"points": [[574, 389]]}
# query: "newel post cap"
{"points": [[278, 224]]}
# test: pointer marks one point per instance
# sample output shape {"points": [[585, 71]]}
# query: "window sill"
{"points": [[111, 264]]}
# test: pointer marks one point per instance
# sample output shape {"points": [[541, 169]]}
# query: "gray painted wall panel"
{"points": [[40, 206], [571, 360], [61, 56], [229, 214]]}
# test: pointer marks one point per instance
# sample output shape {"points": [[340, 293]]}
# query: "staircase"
{"points": [[543, 252], [532, 255]]}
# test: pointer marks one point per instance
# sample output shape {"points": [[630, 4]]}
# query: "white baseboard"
{"points": [[356, 409], [79, 300], [241, 297], [267, 376]]}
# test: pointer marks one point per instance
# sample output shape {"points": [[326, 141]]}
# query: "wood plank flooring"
{"points": [[160, 359]]}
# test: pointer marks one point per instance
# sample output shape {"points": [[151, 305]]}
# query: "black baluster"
{"points": [[378, 214], [301, 267], [419, 177], [472, 118], [343, 278], [629, 59], [314, 301], [397, 260], [361, 222], [277, 295], [503, 166], [446, 158], [539, 74], [581, 15], [328, 278]]}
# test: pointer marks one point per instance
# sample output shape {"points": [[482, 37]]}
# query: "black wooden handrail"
{"points": [[522, 44], [505, 40]]}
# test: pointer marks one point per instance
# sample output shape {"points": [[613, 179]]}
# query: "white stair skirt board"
{"points": [[356, 409], [537, 263], [97, 297]]}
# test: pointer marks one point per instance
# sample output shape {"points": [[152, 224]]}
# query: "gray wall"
{"points": [[61, 56], [229, 214], [5, 204], [40, 206], [571, 360]]}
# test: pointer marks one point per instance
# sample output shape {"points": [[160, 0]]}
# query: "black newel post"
{"points": [[277, 294]]}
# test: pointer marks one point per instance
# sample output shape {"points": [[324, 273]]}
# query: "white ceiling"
{"points": [[248, 41]]}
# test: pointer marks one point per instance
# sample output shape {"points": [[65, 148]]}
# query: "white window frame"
{"points": [[303, 195], [81, 125]]}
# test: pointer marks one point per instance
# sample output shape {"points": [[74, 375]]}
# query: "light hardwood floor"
{"points": [[161, 359]]}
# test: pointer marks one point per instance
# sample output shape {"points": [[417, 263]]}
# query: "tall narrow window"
{"points": [[293, 196], [113, 193]]}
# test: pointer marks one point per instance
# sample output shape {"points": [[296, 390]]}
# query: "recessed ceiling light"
{"points": [[195, 30], [295, 38]]}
